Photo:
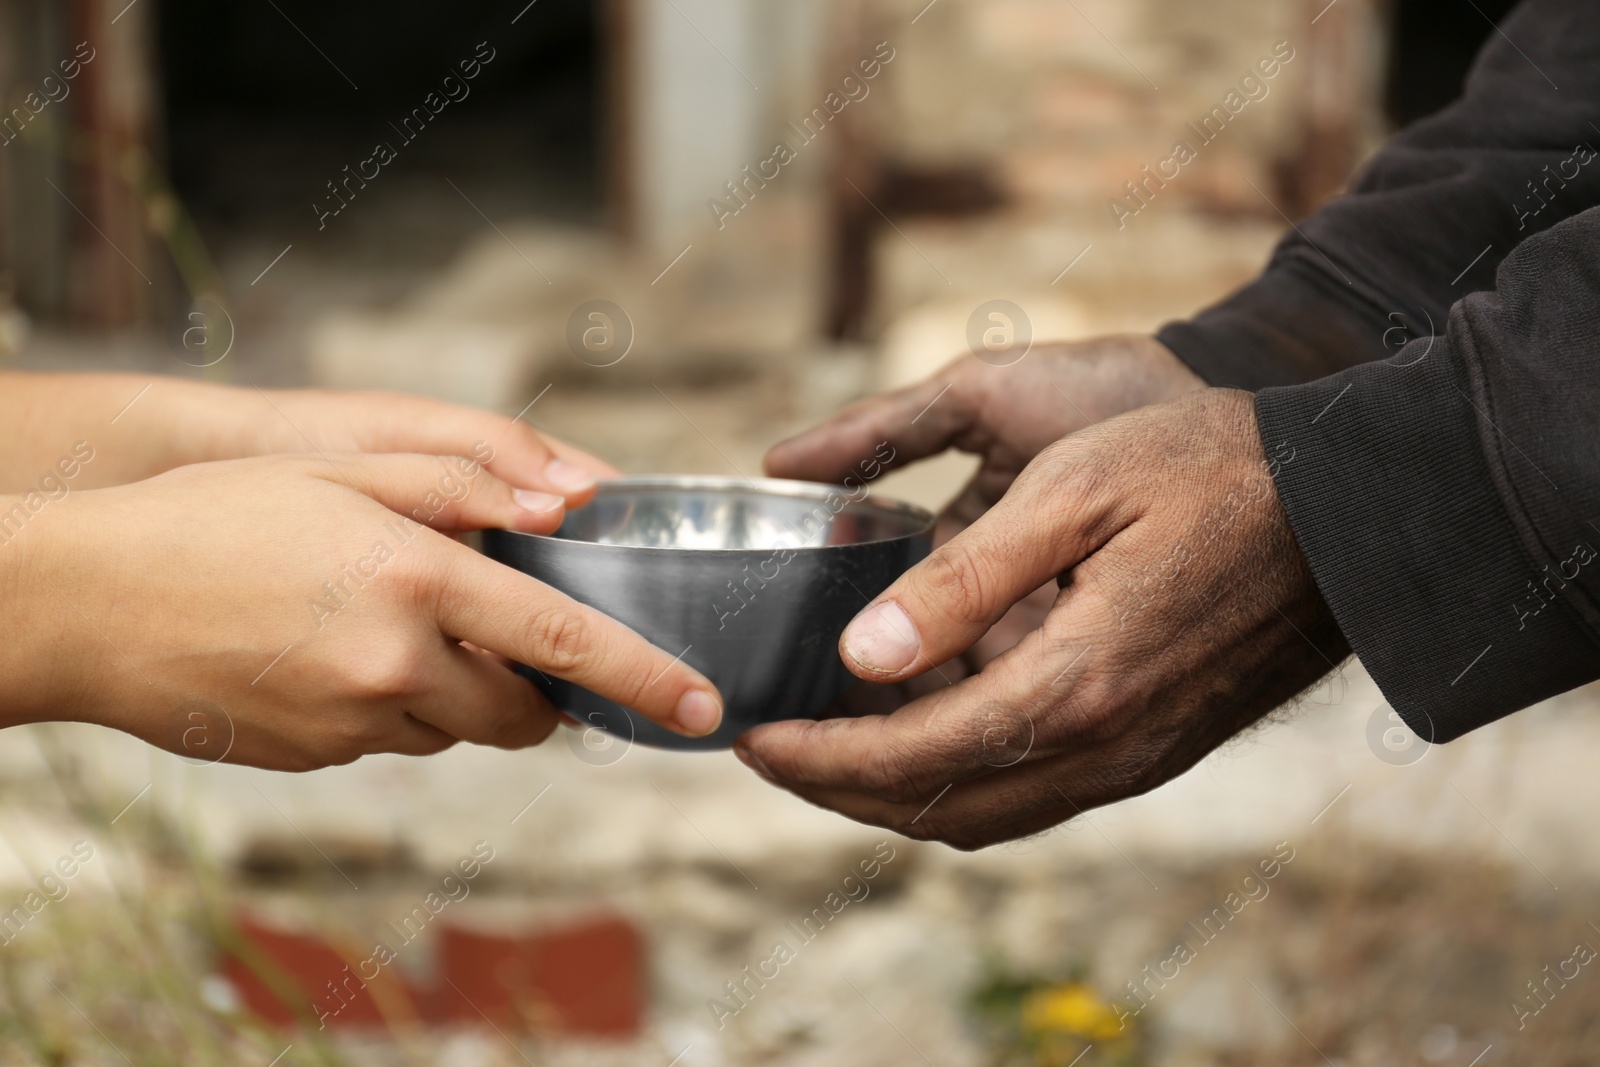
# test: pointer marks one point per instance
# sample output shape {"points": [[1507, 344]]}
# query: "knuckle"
{"points": [[351, 737], [966, 830], [957, 580], [532, 440], [394, 672], [968, 838], [435, 746], [560, 640], [501, 729], [1066, 469], [416, 576], [297, 761], [341, 757], [1086, 488], [919, 830], [1060, 454], [1062, 469], [932, 825], [517, 729]]}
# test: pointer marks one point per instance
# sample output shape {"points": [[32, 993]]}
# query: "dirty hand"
{"points": [[133, 432], [1185, 613], [1004, 412], [292, 612]]}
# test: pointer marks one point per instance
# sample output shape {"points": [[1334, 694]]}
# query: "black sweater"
{"points": [[1426, 351]]}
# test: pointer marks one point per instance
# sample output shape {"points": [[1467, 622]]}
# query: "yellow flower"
{"points": [[1072, 1009]]}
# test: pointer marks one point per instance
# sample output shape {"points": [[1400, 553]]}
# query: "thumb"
{"points": [[446, 493], [1051, 519]]}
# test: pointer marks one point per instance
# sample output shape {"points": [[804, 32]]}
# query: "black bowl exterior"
{"points": [[763, 625]]}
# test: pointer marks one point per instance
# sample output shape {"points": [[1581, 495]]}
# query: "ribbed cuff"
{"points": [[1389, 494]]}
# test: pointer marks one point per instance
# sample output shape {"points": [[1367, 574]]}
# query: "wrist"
{"points": [[100, 430], [1158, 372], [1118, 373], [200, 422], [47, 665], [177, 422]]}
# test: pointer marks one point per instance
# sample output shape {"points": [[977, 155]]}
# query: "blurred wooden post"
{"points": [[74, 243], [115, 135], [862, 182], [854, 170]]}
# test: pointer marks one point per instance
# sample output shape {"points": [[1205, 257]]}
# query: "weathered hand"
{"points": [[1005, 413], [1186, 612]]}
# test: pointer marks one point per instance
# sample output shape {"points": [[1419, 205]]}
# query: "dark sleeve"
{"points": [[1430, 218], [1447, 498]]}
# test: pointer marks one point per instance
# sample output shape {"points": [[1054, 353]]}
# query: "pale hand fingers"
{"points": [[499, 609], [512, 449], [524, 456], [340, 733], [446, 493], [476, 699], [502, 611]]}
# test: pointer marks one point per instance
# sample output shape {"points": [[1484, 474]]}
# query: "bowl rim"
{"points": [[819, 491]]}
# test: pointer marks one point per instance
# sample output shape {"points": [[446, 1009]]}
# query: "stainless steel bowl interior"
{"points": [[732, 514]]}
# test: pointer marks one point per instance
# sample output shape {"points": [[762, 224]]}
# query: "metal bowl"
{"points": [[752, 581]]}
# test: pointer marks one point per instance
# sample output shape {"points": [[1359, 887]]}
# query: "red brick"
{"points": [[286, 980], [584, 978]]}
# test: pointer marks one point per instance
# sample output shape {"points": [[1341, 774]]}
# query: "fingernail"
{"points": [[751, 760], [883, 639], [698, 713], [564, 475], [538, 503]]}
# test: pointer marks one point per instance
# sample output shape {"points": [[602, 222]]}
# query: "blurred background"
{"points": [[583, 205]]}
